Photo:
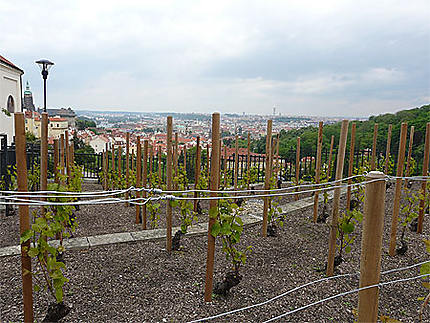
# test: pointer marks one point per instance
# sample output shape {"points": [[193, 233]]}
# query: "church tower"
{"points": [[28, 99]]}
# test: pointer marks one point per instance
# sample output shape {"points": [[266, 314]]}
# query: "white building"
{"points": [[10, 96], [98, 143]]}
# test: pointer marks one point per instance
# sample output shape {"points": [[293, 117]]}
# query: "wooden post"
{"points": [[424, 183], [144, 180], [67, 151], [236, 162], [24, 219], [387, 151], [44, 156], [138, 176], [169, 184], [371, 247], [225, 166], [150, 152], [175, 161], [297, 167], [197, 172], [330, 156], [278, 139], [208, 164], [56, 160], [350, 166], [398, 191], [113, 165], [267, 176], [318, 169], [127, 165], [411, 142], [248, 159], [375, 136], [106, 166], [72, 154], [212, 204], [159, 165], [336, 197], [120, 162], [185, 158], [62, 159]]}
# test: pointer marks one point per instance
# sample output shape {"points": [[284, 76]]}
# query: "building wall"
{"points": [[9, 86]]}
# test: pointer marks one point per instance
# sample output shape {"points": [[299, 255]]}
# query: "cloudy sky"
{"points": [[331, 58]]}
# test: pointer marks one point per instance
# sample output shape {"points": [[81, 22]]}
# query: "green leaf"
{"points": [[213, 212], [427, 242], [216, 228], [226, 228], [26, 235], [348, 249], [36, 288], [348, 227], [425, 269], [33, 252]]}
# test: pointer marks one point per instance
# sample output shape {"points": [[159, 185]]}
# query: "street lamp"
{"points": [[44, 65]]}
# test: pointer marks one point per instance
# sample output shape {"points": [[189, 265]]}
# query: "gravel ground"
{"points": [[141, 282]]}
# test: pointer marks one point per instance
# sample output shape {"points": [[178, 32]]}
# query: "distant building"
{"points": [[28, 99], [67, 114], [56, 126], [98, 143], [10, 96]]}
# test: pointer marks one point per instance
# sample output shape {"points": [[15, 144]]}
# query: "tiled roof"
{"points": [[9, 63]]}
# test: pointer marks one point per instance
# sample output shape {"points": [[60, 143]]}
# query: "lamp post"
{"points": [[44, 65]]}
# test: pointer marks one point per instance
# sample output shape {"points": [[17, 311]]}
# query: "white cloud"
{"points": [[135, 54]]}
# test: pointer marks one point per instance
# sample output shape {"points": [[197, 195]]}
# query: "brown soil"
{"points": [[141, 282]]}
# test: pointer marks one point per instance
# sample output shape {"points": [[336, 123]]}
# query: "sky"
{"points": [[319, 58]]}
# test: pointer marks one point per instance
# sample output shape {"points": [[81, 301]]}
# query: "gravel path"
{"points": [[141, 282]]}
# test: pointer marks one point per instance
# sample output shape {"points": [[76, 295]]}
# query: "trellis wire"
{"points": [[301, 287]]}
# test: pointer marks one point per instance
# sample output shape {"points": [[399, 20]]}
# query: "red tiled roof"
{"points": [[7, 62]]}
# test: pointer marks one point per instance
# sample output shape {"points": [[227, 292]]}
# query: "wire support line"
{"points": [[39, 202], [301, 287], [86, 202], [380, 285], [159, 191], [263, 190]]}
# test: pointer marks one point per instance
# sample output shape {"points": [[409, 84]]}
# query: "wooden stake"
{"points": [[371, 247], [144, 180], [56, 160], [150, 162], [375, 136], [24, 219], [318, 169], [120, 161], [336, 198], [387, 151], [208, 164], [197, 173], [398, 191], [225, 166], [278, 139], [169, 183], [236, 162], [138, 176], [267, 176], [248, 159], [127, 165], [212, 204], [67, 152], [159, 165], [62, 159], [411, 142], [297, 166], [113, 164], [185, 159], [330, 156], [424, 183], [350, 166], [175, 161], [44, 156]]}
